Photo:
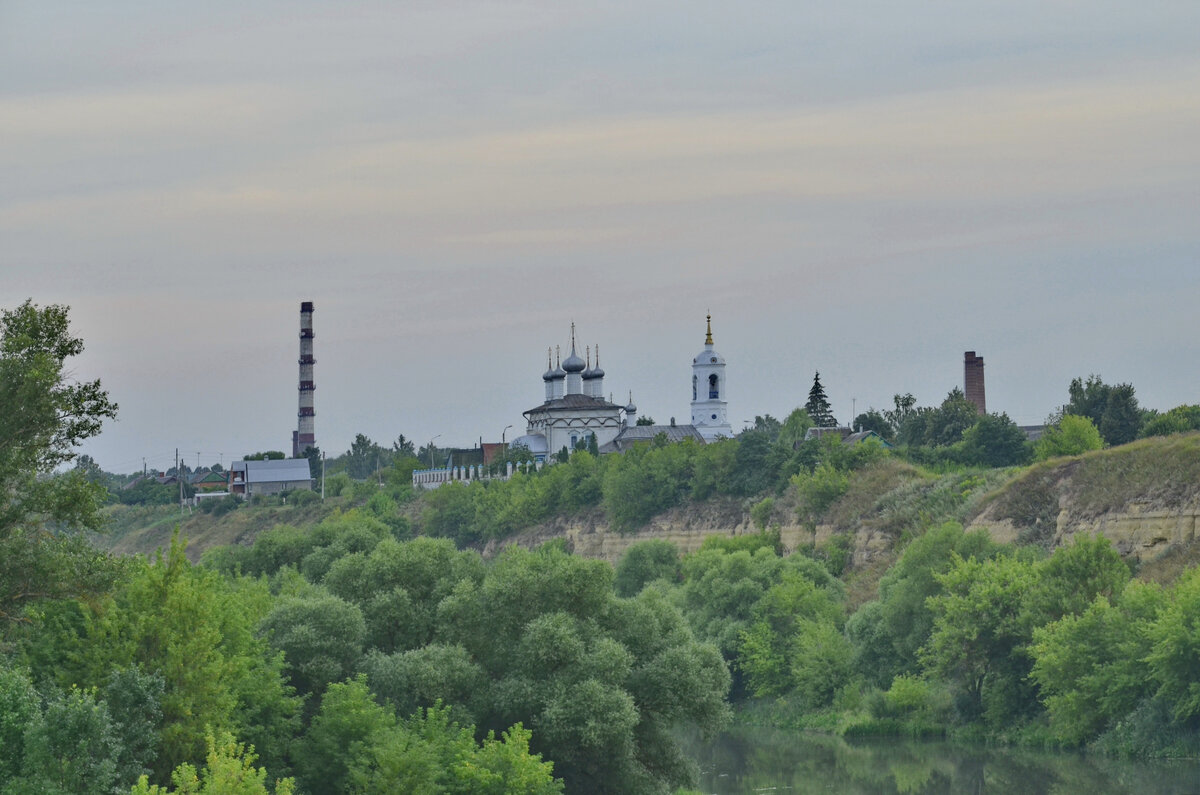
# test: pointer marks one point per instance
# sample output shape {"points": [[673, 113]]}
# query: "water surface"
{"points": [[748, 760]]}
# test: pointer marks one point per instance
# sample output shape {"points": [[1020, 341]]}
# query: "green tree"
{"points": [[1178, 420], [403, 448], [72, 747], [1087, 398], [229, 770], [793, 429], [600, 681], [340, 736], [19, 707], [978, 629], [644, 420], [1090, 667], [995, 441], [873, 420], [818, 407], [1122, 419], [1072, 435], [1176, 647], [134, 702], [195, 629], [321, 637], [904, 406], [363, 458], [267, 455], [431, 753], [46, 415], [643, 563], [889, 632]]}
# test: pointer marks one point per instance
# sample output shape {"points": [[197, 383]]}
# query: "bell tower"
{"points": [[709, 413]]}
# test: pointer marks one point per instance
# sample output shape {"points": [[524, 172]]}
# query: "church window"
{"points": [[714, 416], [713, 392], [693, 387]]}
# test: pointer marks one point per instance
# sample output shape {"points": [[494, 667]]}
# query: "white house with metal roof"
{"points": [[273, 476]]}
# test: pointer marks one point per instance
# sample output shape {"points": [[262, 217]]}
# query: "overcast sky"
{"points": [[868, 189]]}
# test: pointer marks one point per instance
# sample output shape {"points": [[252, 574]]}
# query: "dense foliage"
{"points": [[368, 651]]}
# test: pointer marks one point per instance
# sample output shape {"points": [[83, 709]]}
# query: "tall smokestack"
{"points": [[973, 381], [305, 437]]}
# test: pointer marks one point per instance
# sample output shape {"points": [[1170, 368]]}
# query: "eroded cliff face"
{"points": [[1140, 532], [1144, 497]]}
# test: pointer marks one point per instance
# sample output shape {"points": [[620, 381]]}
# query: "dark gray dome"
{"points": [[573, 364]]}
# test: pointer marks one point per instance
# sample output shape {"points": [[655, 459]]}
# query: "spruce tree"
{"points": [[818, 407]]}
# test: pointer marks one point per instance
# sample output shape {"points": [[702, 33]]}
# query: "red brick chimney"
{"points": [[973, 380]]}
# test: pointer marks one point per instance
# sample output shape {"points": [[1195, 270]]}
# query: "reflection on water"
{"points": [[766, 760]]}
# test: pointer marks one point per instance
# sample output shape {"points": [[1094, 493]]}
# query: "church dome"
{"points": [[573, 364]]}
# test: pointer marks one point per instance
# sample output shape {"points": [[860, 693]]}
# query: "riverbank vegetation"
{"points": [[363, 643]]}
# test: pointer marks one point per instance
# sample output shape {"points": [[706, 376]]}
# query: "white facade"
{"points": [[574, 408], [709, 413]]}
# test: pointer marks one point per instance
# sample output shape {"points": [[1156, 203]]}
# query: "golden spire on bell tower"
{"points": [[708, 339]]}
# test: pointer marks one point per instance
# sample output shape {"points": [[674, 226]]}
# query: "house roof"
{"points": [[647, 433], [274, 471], [574, 401]]}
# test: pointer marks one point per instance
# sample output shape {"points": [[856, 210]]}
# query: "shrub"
{"points": [[303, 497], [760, 514], [819, 490]]}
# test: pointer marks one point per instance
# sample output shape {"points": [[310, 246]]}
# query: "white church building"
{"points": [[575, 408]]}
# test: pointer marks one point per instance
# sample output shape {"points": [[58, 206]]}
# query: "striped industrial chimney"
{"points": [[305, 437]]}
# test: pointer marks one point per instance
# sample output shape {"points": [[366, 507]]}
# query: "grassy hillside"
{"points": [[885, 504]]}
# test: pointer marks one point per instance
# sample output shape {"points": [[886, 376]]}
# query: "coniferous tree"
{"points": [[818, 407]]}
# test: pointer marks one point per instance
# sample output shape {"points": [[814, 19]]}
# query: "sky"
{"points": [[865, 189]]}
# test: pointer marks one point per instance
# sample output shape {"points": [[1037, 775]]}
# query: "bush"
{"points": [[819, 490], [643, 563], [303, 497], [337, 485], [1071, 436], [760, 514]]}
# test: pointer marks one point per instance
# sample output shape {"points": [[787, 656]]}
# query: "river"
{"points": [[749, 760]]}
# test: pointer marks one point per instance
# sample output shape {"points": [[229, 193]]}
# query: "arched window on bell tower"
{"points": [[713, 392], [693, 386]]}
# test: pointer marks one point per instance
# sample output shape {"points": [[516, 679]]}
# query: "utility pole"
{"points": [[179, 477]]}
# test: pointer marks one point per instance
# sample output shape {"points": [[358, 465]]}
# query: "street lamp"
{"points": [[431, 441], [506, 427]]}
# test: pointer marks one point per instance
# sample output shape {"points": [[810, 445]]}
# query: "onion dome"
{"points": [[597, 371], [592, 373], [573, 364], [549, 374], [631, 408], [558, 373]]}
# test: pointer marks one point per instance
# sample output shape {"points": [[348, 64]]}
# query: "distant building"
{"points": [[249, 478], [648, 433], [847, 435], [575, 408], [209, 481]]}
